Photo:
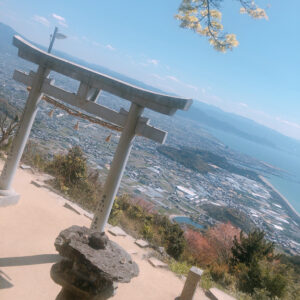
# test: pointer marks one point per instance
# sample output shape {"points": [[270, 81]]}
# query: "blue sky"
{"points": [[260, 79]]}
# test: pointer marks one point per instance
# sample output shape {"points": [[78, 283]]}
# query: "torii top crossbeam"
{"points": [[91, 83], [161, 103]]}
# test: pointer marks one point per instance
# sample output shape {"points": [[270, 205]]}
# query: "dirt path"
{"points": [[27, 234]]}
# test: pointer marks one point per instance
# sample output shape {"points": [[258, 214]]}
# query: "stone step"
{"points": [[117, 231], [216, 294], [142, 243], [157, 263]]}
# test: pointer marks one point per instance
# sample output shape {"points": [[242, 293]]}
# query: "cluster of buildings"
{"points": [[167, 184]]}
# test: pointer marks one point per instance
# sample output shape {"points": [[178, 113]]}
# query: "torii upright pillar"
{"points": [[117, 168], [7, 195]]}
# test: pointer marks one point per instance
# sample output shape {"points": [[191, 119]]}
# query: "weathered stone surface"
{"points": [[98, 240], [88, 215], [92, 264], [161, 250], [191, 284], [37, 183], [216, 294], [78, 285], [117, 231], [157, 263], [25, 167], [142, 243], [71, 207]]}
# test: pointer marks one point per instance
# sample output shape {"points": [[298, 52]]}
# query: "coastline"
{"points": [[284, 202]]}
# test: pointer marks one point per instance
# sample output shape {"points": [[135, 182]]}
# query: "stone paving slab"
{"points": [[71, 207], [157, 263], [88, 215], [117, 231], [25, 167], [37, 183], [141, 243], [216, 294]]}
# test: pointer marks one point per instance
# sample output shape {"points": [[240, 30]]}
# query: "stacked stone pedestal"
{"points": [[92, 265]]}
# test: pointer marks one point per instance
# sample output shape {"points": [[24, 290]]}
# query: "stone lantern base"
{"points": [[92, 265]]}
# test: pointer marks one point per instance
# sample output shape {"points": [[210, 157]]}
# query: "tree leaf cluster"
{"points": [[204, 18]]}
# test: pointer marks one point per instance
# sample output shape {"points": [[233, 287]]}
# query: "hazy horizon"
{"points": [[152, 48]]}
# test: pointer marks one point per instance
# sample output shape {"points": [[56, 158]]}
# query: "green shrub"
{"points": [[179, 267], [253, 247], [115, 213], [70, 169], [206, 281], [71, 177], [275, 284], [249, 278], [34, 156], [218, 272], [261, 294], [147, 231], [174, 237]]}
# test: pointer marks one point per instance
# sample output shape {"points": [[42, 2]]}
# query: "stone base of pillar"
{"points": [[77, 286], [8, 197], [92, 265]]}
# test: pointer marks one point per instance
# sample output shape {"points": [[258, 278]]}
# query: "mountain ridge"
{"points": [[208, 116]]}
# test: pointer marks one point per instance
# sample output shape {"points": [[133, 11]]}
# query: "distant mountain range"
{"points": [[212, 117], [205, 115]]}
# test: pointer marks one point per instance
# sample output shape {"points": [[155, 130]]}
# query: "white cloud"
{"points": [[41, 20], [74, 38], [61, 20], [96, 44], [58, 18], [173, 78], [243, 104], [153, 61], [63, 24], [288, 123], [110, 47], [192, 87], [157, 76]]}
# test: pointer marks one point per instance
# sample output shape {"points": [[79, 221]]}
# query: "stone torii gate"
{"points": [[91, 83]]}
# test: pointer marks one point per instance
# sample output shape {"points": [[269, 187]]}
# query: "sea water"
{"points": [[288, 185]]}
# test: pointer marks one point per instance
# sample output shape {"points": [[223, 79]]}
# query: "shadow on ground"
{"points": [[4, 281], [29, 260]]}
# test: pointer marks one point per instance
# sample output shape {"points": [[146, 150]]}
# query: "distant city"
{"points": [[216, 195]]}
